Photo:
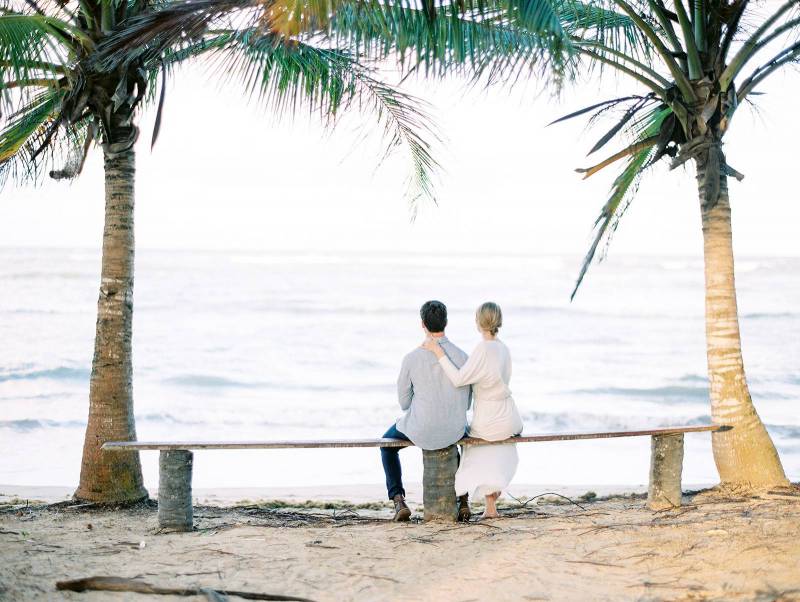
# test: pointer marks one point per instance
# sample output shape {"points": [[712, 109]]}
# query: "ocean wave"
{"points": [[572, 312], [204, 380], [559, 422], [770, 315], [59, 395], [672, 393], [582, 421], [343, 310], [34, 312], [327, 421], [785, 431], [693, 378], [46, 275], [168, 419], [32, 424], [681, 265], [25, 425], [60, 373], [401, 260], [669, 392], [220, 382]]}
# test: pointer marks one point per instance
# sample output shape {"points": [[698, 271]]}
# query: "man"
{"points": [[435, 412]]}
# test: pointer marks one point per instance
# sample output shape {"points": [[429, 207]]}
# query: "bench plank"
{"points": [[343, 443]]}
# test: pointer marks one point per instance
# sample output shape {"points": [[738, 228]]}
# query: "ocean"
{"points": [[262, 345]]}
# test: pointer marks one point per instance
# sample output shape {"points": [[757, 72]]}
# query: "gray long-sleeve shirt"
{"points": [[435, 411]]}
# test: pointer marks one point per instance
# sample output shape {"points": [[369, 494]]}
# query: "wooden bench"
{"points": [[439, 466]]}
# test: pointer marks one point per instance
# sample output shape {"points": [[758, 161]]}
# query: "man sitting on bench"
{"points": [[435, 412]]}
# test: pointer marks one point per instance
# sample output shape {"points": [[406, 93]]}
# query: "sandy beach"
{"points": [[714, 547]]}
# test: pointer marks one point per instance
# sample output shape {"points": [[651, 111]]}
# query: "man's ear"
{"points": [[422, 323]]}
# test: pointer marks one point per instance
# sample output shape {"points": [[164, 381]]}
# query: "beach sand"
{"points": [[715, 547]]}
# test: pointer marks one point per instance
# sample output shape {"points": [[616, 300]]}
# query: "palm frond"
{"points": [[288, 76], [29, 51], [66, 34], [645, 132], [507, 38], [169, 29], [442, 37], [65, 10], [447, 41], [33, 141], [629, 114], [607, 38], [596, 22], [536, 16], [600, 105], [284, 73]]}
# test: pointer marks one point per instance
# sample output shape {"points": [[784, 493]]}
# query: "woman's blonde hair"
{"points": [[489, 317]]}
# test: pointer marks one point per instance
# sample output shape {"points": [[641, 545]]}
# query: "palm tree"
{"points": [[74, 75], [697, 62]]}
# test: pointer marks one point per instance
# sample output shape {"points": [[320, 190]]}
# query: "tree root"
{"points": [[743, 491]]}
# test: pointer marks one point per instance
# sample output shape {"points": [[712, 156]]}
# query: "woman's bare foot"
{"points": [[491, 507]]}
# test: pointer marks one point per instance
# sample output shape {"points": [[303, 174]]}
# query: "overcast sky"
{"points": [[226, 175]]}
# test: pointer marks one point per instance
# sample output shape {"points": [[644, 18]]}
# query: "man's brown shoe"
{"points": [[464, 513], [402, 513]]}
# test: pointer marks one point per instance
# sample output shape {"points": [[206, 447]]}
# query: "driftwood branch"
{"points": [[122, 584]]}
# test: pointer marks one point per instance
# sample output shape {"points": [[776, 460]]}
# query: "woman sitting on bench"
{"points": [[486, 469]]}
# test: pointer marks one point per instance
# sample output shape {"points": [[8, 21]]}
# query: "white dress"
{"points": [[485, 469]]}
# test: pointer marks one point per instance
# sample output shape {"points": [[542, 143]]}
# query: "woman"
{"points": [[486, 469]]}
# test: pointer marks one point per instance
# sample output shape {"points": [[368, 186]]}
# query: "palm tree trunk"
{"points": [[113, 477], [745, 456]]}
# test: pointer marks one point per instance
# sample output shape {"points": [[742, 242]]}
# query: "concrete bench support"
{"points": [[666, 466], [438, 484], [175, 490]]}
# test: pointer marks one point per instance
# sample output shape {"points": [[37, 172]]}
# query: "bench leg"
{"points": [[666, 466], [438, 483], [175, 490]]}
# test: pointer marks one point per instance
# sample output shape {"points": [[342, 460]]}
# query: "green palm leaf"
{"points": [[446, 42], [287, 76], [645, 133], [33, 141], [30, 50], [597, 23], [502, 39], [284, 73]]}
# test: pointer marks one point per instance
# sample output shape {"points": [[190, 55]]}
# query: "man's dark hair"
{"points": [[434, 316]]}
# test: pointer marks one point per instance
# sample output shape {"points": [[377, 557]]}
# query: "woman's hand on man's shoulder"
{"points": [[432, 345]]}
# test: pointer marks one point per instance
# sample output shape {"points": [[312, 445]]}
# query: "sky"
{"points": [[226, 174]]}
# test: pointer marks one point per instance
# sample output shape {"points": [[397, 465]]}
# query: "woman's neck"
{"points": [[488, 336]]}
